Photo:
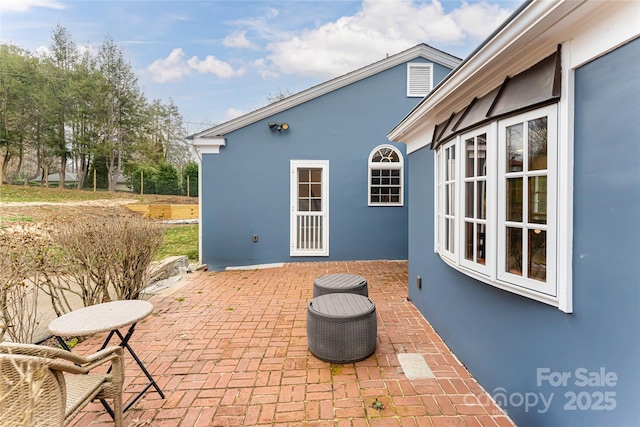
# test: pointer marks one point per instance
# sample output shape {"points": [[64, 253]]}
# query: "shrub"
{"points": [[190, 170], [145, 175], [167, 179], [109, 258], [24, 253]]}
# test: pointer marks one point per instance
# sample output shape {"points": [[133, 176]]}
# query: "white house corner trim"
{"points": [[208, 146]]}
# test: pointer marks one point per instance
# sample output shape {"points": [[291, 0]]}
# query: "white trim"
{"points": [[388, 165], [255, 266], [549, 286], [419, 51], [293, 233], [490, 208], [199, 157], [603, 33], [208, 145], [565, 185], [596, 26]]}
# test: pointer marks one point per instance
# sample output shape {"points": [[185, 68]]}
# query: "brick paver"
{"points": [[230, 349]]}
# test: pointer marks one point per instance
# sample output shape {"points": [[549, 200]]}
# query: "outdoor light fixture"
{"points": [[278, 126]]}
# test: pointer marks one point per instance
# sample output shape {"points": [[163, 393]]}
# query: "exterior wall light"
{"points": [[278, 126]]}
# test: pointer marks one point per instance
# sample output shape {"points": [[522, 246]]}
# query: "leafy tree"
{"points": [[190, 170], [144, 176], [121, 114], [61, 61], [167, 179]]}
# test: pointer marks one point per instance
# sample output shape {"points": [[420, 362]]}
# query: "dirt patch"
{"points": [[14, 213]]}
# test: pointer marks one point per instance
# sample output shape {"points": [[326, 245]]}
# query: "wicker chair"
{"points": [[34, 391]]}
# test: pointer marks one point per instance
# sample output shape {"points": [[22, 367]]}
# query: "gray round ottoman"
{"points": [[340, 283], [341, 328]]}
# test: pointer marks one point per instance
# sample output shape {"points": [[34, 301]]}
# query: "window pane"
{"points": [[304, 175], [450, 170], [316, 175], [449, 235], [514, 199], [538, 199], [468, 240], [452, 198], [303, 205], [395, 181], [395, 199], [514, 148], [447, 199], [481, 169], [303, 190], [470, 152], [514, 251], [316, 205], [316, 190], [481, 211], [452, 235], [469, 189], [537, 266], [538, 144], [395, 172], [385, 155], [480, 242]]}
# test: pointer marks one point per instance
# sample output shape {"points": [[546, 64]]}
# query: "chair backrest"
{"points": [[32, 392]]}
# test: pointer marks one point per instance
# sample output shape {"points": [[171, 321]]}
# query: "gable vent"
{"points": [[419, 79]]}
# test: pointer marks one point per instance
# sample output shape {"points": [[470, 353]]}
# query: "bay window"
{"points": [[504, 231]]}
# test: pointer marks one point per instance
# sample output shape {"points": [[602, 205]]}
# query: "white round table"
{"points": [[107, 317], [100, 318]]}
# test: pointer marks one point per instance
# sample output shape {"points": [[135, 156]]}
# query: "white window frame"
{"points": [[388, 166], [554, 292], [490, 208], [548, 287], [293, 232], [415, 71]]}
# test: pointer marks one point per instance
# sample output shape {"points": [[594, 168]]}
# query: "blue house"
{"points": [[524, 202], [313, 176]]}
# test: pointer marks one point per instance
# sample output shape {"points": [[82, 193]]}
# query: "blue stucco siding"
{"points": [[245, 188], [503, 338]]}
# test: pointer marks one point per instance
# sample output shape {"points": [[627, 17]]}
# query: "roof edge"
{"points": [[422, 50]]}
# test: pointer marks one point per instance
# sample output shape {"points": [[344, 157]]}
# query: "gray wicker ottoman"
{"points": [[340, 283], [341, 328]]}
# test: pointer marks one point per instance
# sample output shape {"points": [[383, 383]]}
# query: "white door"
{"points": [[309, 208]]}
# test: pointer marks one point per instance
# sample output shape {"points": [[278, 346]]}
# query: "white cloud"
{"points": [[382, 27], [479, 19], [232, 113], [238, 39], [171, 68], [214, 66], [25, 5], [174, 67]]}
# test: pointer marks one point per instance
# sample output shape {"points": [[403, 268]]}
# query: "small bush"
{"points": [[22, 262], [167, 179], [108, 258]]}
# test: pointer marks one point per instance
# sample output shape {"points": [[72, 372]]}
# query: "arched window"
{"points": [[386, 176]]}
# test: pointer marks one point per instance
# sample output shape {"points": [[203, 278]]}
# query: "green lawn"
{"points": [[180, 240]]}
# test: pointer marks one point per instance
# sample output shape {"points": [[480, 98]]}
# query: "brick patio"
{"points": [[230, 349]]}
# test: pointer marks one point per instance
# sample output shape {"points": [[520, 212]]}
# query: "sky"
{"points": [[220, 59]]}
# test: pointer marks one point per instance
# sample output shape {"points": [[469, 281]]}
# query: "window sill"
{"points": [[514, 289]]}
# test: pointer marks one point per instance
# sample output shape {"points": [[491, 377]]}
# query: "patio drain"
{"points": [[414, 366]]}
